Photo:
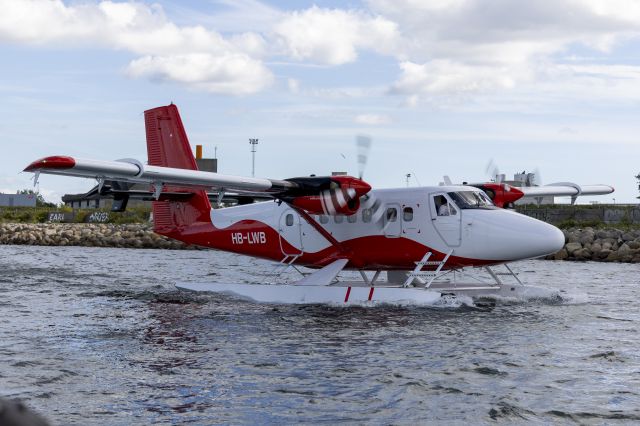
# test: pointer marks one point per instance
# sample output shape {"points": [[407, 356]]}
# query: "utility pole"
{"points": [[408, 176], [253, 143], [638, 177]]}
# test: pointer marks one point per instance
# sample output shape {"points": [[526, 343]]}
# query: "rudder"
{"points": [[168, 146], [167, 142]]}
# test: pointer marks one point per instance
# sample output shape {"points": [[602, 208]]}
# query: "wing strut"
{"points": [[319, 228]]}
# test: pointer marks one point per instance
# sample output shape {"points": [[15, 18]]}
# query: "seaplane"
{"points": [[426, 240]]}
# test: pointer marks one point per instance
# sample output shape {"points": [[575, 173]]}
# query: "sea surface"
{"points": [[96, 336]]}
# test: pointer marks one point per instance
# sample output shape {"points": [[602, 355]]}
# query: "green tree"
{"points": [[40, 201]]}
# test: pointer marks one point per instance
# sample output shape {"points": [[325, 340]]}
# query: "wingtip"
{"points": [[53, 162]]}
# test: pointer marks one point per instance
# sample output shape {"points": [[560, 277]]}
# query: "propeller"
{"points": [[493, 171], [368, 201], [363, 145]]}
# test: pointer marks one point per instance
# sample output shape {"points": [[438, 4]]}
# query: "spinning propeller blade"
{"points": [[363, 144], [493, 171], [368, 201]]}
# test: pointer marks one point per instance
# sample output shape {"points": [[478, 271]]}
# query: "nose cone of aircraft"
{"points": [[512, 236], [543, 239]]}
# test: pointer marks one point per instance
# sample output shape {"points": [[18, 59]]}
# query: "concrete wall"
{"points": [[581, 214], [18, 200]]}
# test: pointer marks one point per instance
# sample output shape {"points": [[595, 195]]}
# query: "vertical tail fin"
{"points": [[168, 146]]}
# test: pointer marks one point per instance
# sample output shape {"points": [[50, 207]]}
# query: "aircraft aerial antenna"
{"points": [[416, 178]]}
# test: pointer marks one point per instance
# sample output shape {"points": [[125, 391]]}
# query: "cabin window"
{"points": [[392, 214], [324, 218], [366, 215], [338, 218], [352, 218], [289, 219], [407, 214]]}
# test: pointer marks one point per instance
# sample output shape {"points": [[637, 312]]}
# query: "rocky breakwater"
{"points": [[86, 234], [602, 245]]}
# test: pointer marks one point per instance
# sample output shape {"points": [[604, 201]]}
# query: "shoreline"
{"points": [[87, 235], [581, 244], [600, 245]]}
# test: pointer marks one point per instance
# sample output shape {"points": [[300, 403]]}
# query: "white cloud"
{"points": [[233, 74], [463, 46], [333, 36], [443, 47], [372, 119], [220, 65], [445, 76]]}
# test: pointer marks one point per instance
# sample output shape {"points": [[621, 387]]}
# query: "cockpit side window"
{"points": [[471, 200], [443, 206]]}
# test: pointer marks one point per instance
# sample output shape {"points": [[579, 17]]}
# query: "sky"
{"points": [[443, 87]]}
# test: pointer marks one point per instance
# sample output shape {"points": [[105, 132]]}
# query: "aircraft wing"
{"points": [[565, 189], [133, 171], [315, 194]]}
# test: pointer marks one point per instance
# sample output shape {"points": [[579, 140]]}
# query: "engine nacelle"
{"points": [[329, 202], [328, 195], [502, 194]]}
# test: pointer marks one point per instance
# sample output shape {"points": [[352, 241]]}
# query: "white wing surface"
{"points": [[565, 189], [134, 171]]}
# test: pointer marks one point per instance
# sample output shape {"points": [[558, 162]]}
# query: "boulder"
{"points": [[624, 249], [603, 254], [582, 254], [628, 236], [613, 257], [602, 233], [572, 247], [586, 237], [572, 237]]}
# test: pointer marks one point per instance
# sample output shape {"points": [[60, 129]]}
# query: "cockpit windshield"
{"points": [[472, 200]]}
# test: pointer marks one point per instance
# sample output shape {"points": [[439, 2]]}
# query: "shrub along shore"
{"points": [[602, 245]]}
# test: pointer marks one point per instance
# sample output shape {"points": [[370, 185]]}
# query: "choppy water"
{"points": [[100, 336]]}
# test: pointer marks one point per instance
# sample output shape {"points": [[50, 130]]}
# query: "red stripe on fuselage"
{"points": [[368, 252]]}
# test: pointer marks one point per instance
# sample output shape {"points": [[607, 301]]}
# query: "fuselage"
{"points": [[392, 229]]}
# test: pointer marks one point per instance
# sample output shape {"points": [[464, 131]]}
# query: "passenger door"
{"points": [[291, 232]]}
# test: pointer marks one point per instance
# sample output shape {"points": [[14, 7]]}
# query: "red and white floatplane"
{"points": [[426, 240]]}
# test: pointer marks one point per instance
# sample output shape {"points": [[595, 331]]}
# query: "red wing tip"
{"points": [[54, 162]]}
